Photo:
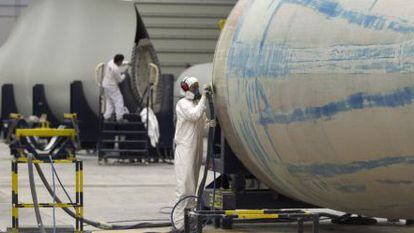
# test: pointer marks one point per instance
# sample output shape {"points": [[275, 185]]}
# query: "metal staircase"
{"points": [[123, 141]]}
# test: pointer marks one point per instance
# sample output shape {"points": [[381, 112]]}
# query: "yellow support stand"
{"points": [[69, 158], [15, 198], [78, 205], [45, 132]]}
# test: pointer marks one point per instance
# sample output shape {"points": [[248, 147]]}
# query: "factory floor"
{"points": [[117, 192], [291, 228]]}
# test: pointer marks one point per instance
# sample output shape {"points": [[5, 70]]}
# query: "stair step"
{"points": [[131, 114], [124, 141], [123, 123], [124, 150], [120, 132]]}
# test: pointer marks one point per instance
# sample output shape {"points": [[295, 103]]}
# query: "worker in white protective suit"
{"points": [[191, 120], [114, 101]]}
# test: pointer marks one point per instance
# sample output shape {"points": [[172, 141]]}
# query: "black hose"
{"points": [[175, 206], [100, 225], [200, 190], [34, 193], [213, 201], [209, 156]]}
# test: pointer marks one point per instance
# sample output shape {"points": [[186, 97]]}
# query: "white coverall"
{"points": [[114, 100], [153, 127], [188, 152]]}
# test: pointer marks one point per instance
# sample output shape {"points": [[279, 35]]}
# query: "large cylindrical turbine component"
{"points": [[56, 42], [316, 98]]}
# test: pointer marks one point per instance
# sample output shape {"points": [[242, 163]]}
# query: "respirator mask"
{"points": [[193, 95], [190, 86]]}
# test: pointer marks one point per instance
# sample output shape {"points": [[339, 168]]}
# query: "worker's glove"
{"points": [[33, 119], [126, 63], [212, 123], [206, 89], [123, 76]]}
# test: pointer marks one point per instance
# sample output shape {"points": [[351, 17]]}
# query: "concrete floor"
{"points": [[291, 228], [130, 192]]}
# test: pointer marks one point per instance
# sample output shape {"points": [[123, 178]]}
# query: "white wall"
{"points": [[9, 12]]}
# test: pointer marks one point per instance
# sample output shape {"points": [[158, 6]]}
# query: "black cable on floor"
{"points": [[34, 193], [100, 225]]}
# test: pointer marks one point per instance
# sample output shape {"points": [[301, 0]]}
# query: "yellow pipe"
{"points": [[257, 216], [45, 132], [60, 161], [77, 209], [81, 194], [237, 212], [15, 191]]}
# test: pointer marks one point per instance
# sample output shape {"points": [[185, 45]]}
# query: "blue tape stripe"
{"points": [[333, 10], [398, 98], [331, 169], [277, 61]]}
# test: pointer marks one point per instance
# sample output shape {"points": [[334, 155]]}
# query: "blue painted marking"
{"points": [[329, 8], [256, 58], [255, 98], [246, 60], [333, 10], [319, 184], [351, 188], [262, 98], [270, 21], [329, 170], [248, 136], [398, 98]]}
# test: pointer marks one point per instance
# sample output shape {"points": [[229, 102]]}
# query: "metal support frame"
{"points": [[46, 132], [62, 152], [110, 130], [277, 215], [78, 205], [230, 189], [79, 196]]}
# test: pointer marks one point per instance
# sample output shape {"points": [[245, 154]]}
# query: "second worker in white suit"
{"points": [[113, 96], [191, 121]]}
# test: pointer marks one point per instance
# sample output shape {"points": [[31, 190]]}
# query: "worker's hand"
{"points": [[212, 123], [206, 89], [123, 76], [126, 63]]}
